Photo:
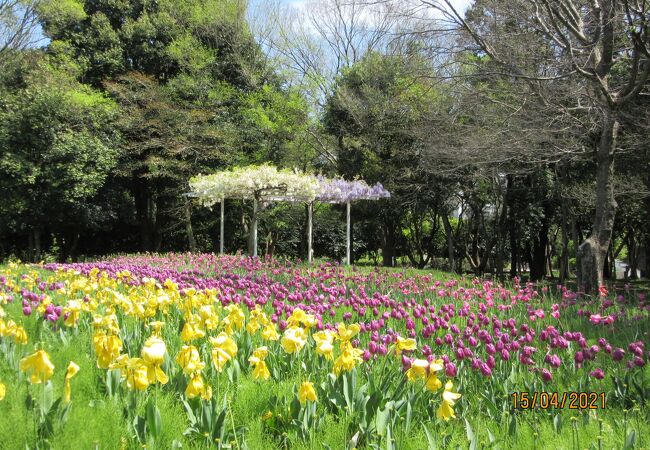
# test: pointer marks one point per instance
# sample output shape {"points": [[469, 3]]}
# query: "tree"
{"points": [[57, 140], [377, 105], [604, 46], [18, 27]]}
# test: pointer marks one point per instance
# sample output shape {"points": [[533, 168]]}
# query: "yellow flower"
{"points": [[257, 318], [224, 349], [156, 326], [39, 366], [269, 333], [299, 317], [191, 331], [196, 386], [121, 363], [404, 344], [307, 392], [107, 348], [153, 355], [433, 383], [209, 317], [347, 333], [154, 350], [347, 359], [189, 359], [418, 370], [261, 371], [294, 339], [20, 335], [70, 372], [235, 317], [259, 355], [445, 411], [267, 416], [3, 391], [137, 374], [71, 312], [324, 345]]}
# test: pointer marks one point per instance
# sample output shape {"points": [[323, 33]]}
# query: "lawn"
{"points": [[198, 351]]}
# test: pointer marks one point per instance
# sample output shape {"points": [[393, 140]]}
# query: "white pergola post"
{"points": [[348, 232], [221, 228], [310, 212], [254, 227]]}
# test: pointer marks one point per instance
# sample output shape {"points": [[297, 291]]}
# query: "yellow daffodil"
{"points": [[256, 320], [404, 344], [418, 370], [433, 383], [294, 339], [20, 335], [209, 317], [307, 392], [70, 372], [3, 391], [324, 345], [224, 349], [189, 359], [259, 354], [446, 411], [38, 366]]}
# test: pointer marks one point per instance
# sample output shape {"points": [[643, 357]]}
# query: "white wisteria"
{"points": [[263, 183]]}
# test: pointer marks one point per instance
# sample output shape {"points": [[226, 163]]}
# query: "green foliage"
{"points": [[57, 139]]}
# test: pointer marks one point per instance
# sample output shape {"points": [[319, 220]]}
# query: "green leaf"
{"points": [[433, 445], [469, 431], [154, 422], [630, 440], [512, 426]]}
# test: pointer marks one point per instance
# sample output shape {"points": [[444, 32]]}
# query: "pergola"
{"points": [[266, 183]]}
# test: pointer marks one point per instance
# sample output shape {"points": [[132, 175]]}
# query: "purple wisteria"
{"points": [[338, 190]]}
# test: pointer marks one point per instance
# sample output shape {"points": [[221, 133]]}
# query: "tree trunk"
{"points": [[538, 256], [449, 232], [591, 253], [142, 209], [191, 241], [388, 245]]}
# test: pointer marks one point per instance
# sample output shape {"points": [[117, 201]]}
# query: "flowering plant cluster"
{"points": [[338, 190], [264, 181], [377, 349], [268, 183]]}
